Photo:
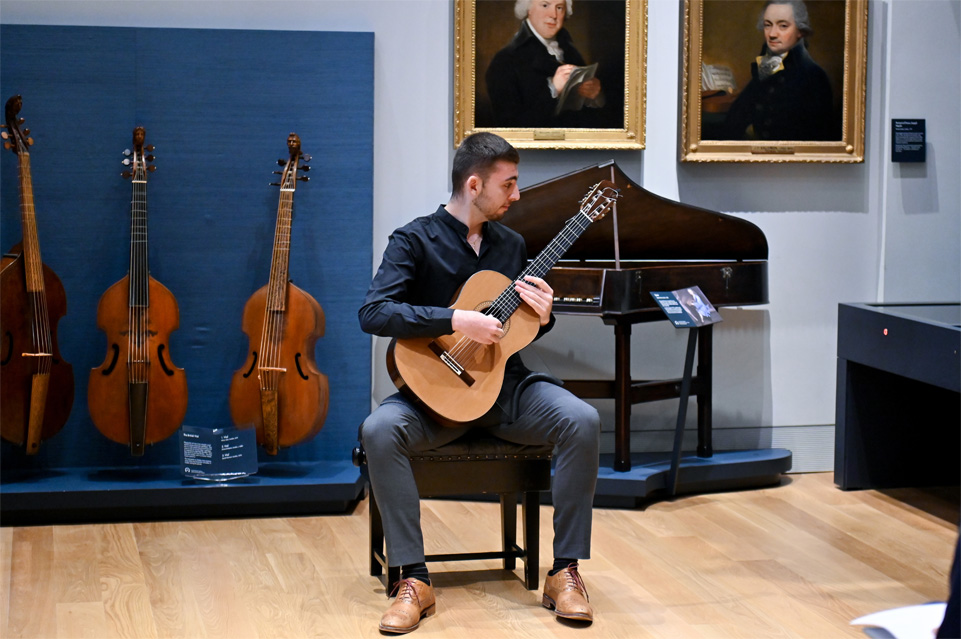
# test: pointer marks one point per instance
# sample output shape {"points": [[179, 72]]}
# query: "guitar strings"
{"points": [[507, 302]]}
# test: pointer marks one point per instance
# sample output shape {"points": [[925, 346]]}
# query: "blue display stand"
{"points": [[218, 106]]}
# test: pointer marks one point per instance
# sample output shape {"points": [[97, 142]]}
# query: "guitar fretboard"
{"points": [[508, 301]]}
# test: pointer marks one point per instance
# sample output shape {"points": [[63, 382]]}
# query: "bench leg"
{"points": [[509, 528], [393, 576], [532, 540], [376, 550]]}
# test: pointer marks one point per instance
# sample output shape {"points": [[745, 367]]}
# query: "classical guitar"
{"points": [[458, 379], [36, 385], [137, 396], [279, 390]]}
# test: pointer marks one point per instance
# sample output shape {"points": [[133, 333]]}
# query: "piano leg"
{"points": [[622, 396], [627, 392], [705, 385]]}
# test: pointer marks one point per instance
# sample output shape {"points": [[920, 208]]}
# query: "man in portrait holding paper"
{"points": [[540, 79]]}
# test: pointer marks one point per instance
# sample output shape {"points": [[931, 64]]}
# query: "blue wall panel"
{"points": [[218, 106]]}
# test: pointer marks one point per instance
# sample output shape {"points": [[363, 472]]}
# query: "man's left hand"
{"points": [[590, 89], [538, 295]]}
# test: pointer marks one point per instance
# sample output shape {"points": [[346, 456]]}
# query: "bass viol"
{"points": [[137, 396], [279, 390], [36, 385]]}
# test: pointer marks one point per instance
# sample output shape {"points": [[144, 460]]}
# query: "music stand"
{"points": [[685, 308]]}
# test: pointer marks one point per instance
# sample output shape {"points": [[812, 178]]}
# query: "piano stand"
{"points": [[626, 392], [630, 478], [650, 243]]}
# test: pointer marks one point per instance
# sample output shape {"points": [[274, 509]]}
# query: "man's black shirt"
{"points": [[424, 265]]}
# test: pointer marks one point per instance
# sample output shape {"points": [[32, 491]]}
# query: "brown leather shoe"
{"points": [[566, 594], [415, 600]]}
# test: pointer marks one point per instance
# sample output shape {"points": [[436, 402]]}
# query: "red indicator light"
{"points": [[885, 331]]}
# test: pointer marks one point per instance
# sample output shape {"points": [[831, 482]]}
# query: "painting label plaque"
{"points": [[907, 140]]}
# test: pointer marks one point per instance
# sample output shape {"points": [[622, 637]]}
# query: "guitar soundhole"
{"points": [[9, 339], [483, 306], [113, 362], [252, 365], [163, 364], [300, 371]]}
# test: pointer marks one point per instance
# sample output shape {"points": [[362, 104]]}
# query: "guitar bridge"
{"points": [[452, 363]]}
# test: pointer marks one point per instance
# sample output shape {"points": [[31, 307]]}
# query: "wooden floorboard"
{"points": [[798, 560]]}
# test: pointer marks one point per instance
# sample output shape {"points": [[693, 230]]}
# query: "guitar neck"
{"points": [[33, 264], [508, 301]]}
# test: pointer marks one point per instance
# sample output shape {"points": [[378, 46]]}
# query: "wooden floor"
{"points": [[801, 559]]}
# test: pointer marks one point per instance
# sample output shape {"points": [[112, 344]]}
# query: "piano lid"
{"points": [[649, 227]]}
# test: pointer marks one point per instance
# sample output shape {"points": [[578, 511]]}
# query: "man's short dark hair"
{"points": [[478, 154]]}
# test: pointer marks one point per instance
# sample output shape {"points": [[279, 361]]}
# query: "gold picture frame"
{"points": [[721, 38], [484, 27]]}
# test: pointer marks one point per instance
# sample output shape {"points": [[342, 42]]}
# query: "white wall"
{"points": [[837, 233]]}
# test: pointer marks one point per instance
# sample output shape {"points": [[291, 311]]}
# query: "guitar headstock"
{"points": [[599, 200], [296, 162], [140, 158], [15, 139]]}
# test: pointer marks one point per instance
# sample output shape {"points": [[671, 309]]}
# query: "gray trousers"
{"points": [[546, 413]]}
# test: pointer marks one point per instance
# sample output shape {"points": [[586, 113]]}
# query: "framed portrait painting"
{"points": [[776, 81], [551, 74]]}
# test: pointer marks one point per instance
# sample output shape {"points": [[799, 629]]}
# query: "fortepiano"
{"points": [[646, 243]]}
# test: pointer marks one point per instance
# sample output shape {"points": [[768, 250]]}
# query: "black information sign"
{"points": [[907, 141], [687, 307], [218, 454]]}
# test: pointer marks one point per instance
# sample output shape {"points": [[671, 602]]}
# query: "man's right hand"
{"points": [[484, 329], [561, 76]]}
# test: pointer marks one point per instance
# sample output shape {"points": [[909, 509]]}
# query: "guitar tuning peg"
{"points": [[303, 178], [29, 141], [126, 174], [305, 157], [149, 147], [305, 168], [151, 168], [127, 152], [7, 146], [277, 172], [26, 131], [150, 158], [4, 134], [273, 183], [281, 162]]}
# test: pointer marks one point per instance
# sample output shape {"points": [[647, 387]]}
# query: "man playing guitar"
{"points": [[425, 263]]}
